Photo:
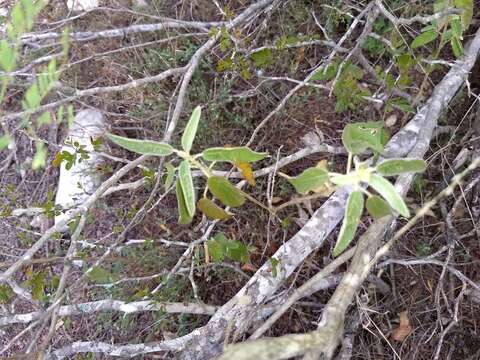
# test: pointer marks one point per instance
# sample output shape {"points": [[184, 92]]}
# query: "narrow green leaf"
{"points": [[224, 191], [377, 207], [393, 167], [169, 177], [146, 147], [274, 263], [185, 177], [457, 47], [388, 192], [7, 56], [212, 210], [467, 14], [353, 212], [183, 215], [191, 129], [310, 179], [359, 137], [236, 154], [424, 38]]}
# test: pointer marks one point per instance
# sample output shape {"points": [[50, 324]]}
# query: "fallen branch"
{"points": [[114, 305]]}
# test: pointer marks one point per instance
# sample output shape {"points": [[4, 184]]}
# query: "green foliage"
{"points": [[191, 129], [377, 207], [392, 167], [212, 210], [348, 92], [448, 28], [353, 212], [184, 216], [169, 176], [424, 38], [274, 264], [388, 192], [234, 155], [224, 191], [188, 190], [309, 180], [359, 137], [144, 147], [262, 58], [99, 275], [80, 154], [220, 247]]}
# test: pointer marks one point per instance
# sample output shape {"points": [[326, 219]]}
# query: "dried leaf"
{"points": [[249, 267], [404, 329], [247, 172], [391, 120]]}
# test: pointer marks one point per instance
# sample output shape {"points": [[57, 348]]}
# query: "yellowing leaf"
{"points": [[247, 172], [325, 189], [404, 329], [212, 210]]}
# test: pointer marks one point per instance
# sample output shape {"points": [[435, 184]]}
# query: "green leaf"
{"points": [[456, 26], [191, 129], [170, 175], [99, 275], [467, 14], [457, 47], [235, 154], [7, 57], [4, 141], [274, 263], [392, 167], [183, 215], [325, 74], [388, 192], [353, 212], [216, 249], [347, 179], [224, 191], [185, 177], [309, 180], [237, 251], [40, 157], [37, 283], [359, 137], [146, 147], [262, 58], [424, 38], [377, 207], [220, 247], [212, 210]]}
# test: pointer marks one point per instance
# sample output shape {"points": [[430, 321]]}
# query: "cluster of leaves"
{"points": [[450, 28], [357, 138], [22, 20], [348, 91], [79, 154], [220, 187]]}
